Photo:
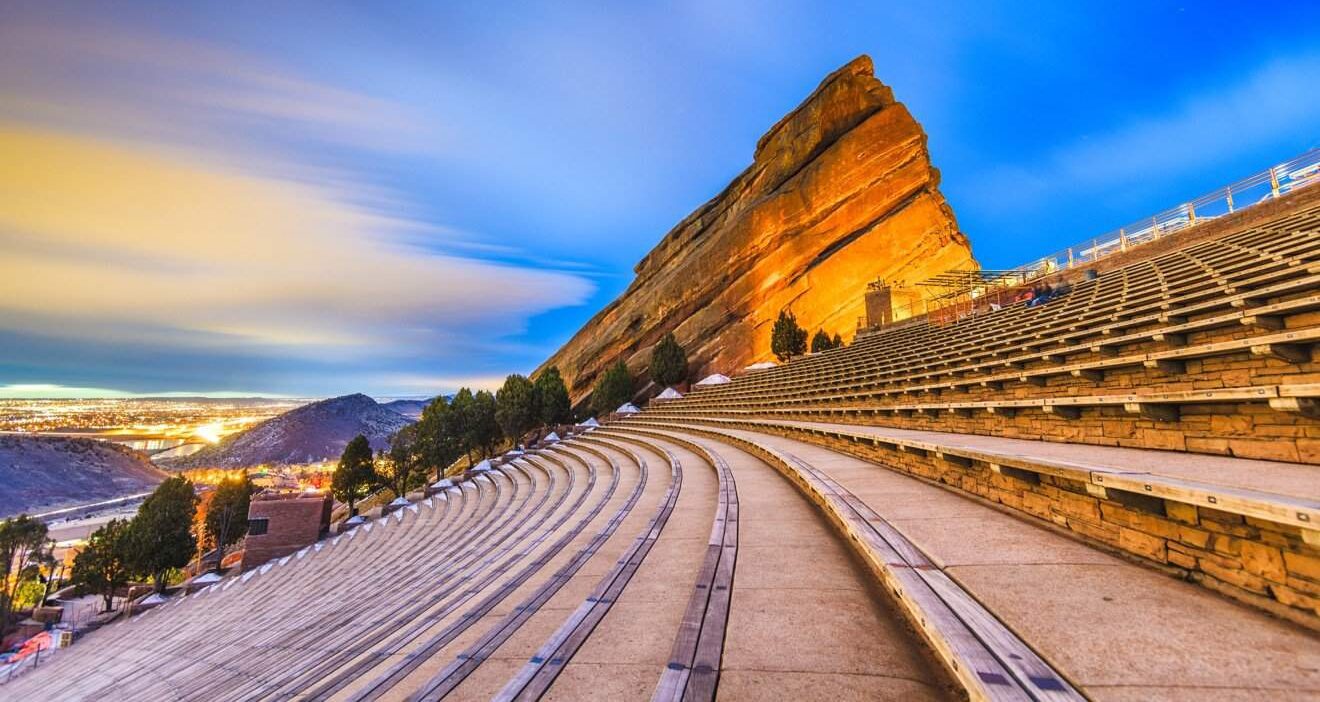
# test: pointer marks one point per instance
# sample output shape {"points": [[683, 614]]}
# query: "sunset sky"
{"points": [[399, 198]]}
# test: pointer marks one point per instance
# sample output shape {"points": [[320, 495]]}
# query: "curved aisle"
{"points": [[805, 620], [1116, 629]]}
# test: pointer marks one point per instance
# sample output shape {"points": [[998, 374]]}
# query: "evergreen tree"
{"points": [[787, 339], [401, 468], [355, 473], [23, 549], [485, 430], [516, 407], [837, 342], [101, 567], [669, 363], [160, 538], [227, 512], [462, 411], [614, 388], [436, 447], [553, 406], [821, 342]]}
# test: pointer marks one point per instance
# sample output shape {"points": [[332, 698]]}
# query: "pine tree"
{"points": [[515, 407], [614, 388], [669, 363], [787, 339], [355, 473], [401, 468], [436, 447], [101, 567], [160, 538], [485, 430], [227, 512], [837, 342], [821, 342], [462, 410], [552, 398], [24, 547]]}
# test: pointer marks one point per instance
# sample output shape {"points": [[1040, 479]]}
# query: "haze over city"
{"points": [[313, 199]]}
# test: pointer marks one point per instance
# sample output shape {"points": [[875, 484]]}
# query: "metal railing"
{"points": [[1255, 189], [1259, 187]]}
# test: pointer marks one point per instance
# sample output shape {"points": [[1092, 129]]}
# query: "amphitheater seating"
{"points": [[882, 521], [1147, 354]]}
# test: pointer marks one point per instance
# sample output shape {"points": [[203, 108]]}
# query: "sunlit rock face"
{"points": [[840, 192]]}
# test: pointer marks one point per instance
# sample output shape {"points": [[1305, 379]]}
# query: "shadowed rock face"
{"points": [[840, 192]]}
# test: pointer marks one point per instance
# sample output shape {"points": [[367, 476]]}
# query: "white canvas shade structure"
{"points": [[669, 394], [763, 365], [714, 379], [590, 423], [551, 438], [627, 408]]}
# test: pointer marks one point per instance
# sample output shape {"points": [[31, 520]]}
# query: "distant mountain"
{"points": [[43, 473], [412, 409], [310, 433]]}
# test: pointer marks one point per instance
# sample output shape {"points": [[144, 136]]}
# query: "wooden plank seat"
{"points": [[1245, 297], [289, 651], [1268, 317], [454, 674], [431, 634], [136, 638]]}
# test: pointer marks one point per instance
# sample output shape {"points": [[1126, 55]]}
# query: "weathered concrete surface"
{"points": [[840, 192]]}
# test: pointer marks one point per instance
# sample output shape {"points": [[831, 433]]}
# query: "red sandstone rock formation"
{"points": [[840, 192]]}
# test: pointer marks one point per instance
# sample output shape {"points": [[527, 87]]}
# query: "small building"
{"points": [[281, 523]]}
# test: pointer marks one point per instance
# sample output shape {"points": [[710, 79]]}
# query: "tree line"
{"points": [[162, 537]]}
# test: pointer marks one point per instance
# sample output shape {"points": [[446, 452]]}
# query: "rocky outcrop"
{"points": [[840, 192]]}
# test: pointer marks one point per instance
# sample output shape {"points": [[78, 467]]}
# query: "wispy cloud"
{"points": [[102, 240]]}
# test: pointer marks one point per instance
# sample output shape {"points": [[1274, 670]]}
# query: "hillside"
{"points": [[412, 409], [42, 473], [314, 432], [840, 192]]}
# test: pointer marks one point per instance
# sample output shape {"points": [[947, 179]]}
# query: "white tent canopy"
{"points": [[551, 438], [715, 379], [482, 467], [627, 408], [207, 578], [399, 502], [669, 394], [589, 423], [761, 366], [442, 484]]}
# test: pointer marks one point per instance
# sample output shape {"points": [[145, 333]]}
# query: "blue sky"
{"points": [[397, 198]]}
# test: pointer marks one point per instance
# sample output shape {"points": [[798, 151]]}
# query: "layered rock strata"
{"points": [[840, 192]]}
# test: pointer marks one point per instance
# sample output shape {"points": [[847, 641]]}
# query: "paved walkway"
{"points": [[805, 621]]}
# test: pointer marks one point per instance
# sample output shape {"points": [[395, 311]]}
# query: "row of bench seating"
{"points": [[1246, 303]]}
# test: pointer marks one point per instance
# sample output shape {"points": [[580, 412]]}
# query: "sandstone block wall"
{"points": [[1262, 563]]}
